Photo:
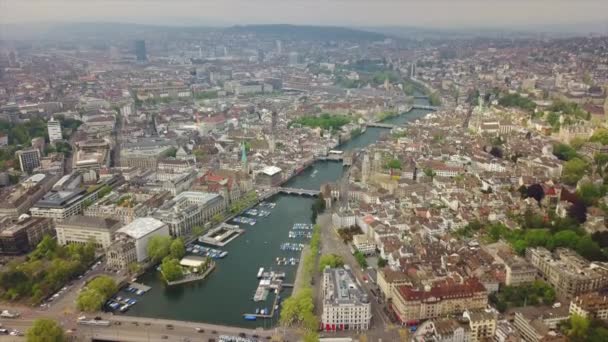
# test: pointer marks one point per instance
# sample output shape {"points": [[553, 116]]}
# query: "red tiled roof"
{"points": [[443, 290]]}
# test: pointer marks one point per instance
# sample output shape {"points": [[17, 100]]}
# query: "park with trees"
{"points": [[96, 293], [168, 251], [325, 121], [45, 270], [45, 330]]}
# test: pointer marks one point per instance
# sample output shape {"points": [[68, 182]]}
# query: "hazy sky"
{"points": [[423, 13]]}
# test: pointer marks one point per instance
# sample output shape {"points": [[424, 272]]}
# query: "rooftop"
{"points": [[342, 288], [141, 227]]}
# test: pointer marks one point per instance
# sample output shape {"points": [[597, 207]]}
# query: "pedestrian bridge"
{"points": [[380, 125], [425, 107], [296, 191]]}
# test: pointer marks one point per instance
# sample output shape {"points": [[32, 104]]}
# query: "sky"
{"points": [[360, 13]]}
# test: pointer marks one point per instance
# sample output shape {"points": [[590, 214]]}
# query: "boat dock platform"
{"points": [[140, 287], [221, 235], [253, 316]]}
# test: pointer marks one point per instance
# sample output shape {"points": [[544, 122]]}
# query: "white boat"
{"points": [[260, 272]]}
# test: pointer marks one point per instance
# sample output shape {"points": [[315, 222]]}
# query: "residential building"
{"points": [[444, 297], [346, 305], [22, 236], [569, 273], [442, 330], [482, 325], [140, 231], [18, 199], [28, 159], [82, 229], [364, 244], [538, 323], [590, 305], [519, 271]]}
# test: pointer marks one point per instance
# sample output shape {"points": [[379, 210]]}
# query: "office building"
{"points": [[29, 159], [140, 231], [536, 324], [140, 51], [270, 176], [568, 273], [190, 209], [22, 236], [54, 129], [346, 305], [145, 153], [82, 229]]}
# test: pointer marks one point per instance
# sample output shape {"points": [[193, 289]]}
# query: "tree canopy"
{"points": [[96, 293], [574, 170], [158, 247], [45, 330], [325, 121], [516, 100], [331, 260], [171, 269], [177, 248]]}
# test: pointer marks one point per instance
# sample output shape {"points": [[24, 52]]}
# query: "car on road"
{"points": [[200, 330], [147, 323], [214, 332], [242, 335], [164, 337], [170, 326]]}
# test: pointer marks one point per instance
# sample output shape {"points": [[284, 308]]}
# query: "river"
{"points": [[227, 293]]}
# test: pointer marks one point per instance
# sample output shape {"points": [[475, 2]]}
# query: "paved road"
{"points": [[381, 328]]}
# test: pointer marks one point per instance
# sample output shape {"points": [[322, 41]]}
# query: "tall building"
{"points": [[346, 306], [140, 50], [54, 129], [279, 47], [294, 58], [29, 159]]}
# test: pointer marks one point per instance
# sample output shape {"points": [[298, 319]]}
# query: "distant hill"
{"points": [[324, 33]]}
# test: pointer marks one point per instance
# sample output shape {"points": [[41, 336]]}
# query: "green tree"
{"points": [[574, 170], [158, 247], [177, 248], [171, 269], [382, 262], [600, 136], [134, 267], [104, 285], [429, 172], [361, 259], [579, 328], [564, 152], [45, 330], [394, 164], [331, 260], [90, 300]]}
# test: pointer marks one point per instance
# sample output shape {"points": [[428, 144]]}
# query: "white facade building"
{"points": [[54, 130], [141, 230], [346, 306]]}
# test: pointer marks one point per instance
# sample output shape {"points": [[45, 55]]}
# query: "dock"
{"points": [[272, 310], [222, 235], [140, 287]]}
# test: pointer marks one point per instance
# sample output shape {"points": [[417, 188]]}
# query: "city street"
{"points": [[381, 328]]}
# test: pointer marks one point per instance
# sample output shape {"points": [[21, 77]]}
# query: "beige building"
{"points": [[388, 279], [538, 323], [519, 272], [482, 325], [82, 229], [346, 305], [590, 305], [121, 253], [413, 304], [569, 273]]}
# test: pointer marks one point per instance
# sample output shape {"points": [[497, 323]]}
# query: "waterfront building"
{"points": [[54, 130], [189, 209], [22, 236], [270, 176], [140, 231], [121, 253], [28, 159], [569, 273], [593, 305], [82, 229], [346, 306], [412, 304]]}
